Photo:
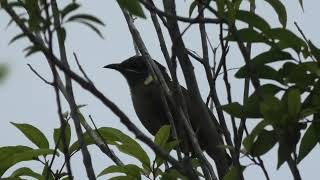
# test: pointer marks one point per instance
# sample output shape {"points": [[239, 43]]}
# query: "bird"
{"points": [[149, 107]]}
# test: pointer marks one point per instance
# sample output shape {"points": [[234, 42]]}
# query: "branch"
{"points": [[196, 20]]}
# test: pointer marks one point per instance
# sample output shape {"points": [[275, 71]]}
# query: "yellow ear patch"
{"points": [[148, 80]]}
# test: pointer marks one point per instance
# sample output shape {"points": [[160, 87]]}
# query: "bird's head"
{"points": [[135, 70]]}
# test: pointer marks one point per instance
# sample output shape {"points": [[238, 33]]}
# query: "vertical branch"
{"points": [[211, 81], [70, 96], [179, 49], [56, 84]]}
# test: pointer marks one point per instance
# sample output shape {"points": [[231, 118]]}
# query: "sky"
{"points": [[24, 98]]}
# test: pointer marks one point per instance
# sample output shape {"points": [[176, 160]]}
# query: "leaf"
{"points": [[265, 141], [92, 27], [33, 134], [249, 140], [313, 67], [234, 173], [247, 35], [220, 6], [252, 20], [308, 141], [272, 109], [261, 71], [234, 109], [85, 17], [280, 10], [120, 178], [9, 151], [162, 135], [69, 8], [136, 152], [270, 57], [314, 51], [24, 155], [17, 37], [46, 172], [130, 170], [132, 6], [283, 153], [294, 102], [287, 39], [31, 50], [171, 174], [193, 5], [123, 142], [3, 72], [24, 171], [57, 136], [301, 4]]}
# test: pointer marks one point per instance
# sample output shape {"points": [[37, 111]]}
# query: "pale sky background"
{"points": [[26, 99]]}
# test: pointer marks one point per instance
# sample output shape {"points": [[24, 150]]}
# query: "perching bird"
{"points": [[151, 112]]}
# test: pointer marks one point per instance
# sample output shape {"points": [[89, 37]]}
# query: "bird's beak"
{"points": [[113, 66]]}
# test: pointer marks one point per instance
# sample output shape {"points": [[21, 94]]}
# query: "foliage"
{"points": [[285, 102]]}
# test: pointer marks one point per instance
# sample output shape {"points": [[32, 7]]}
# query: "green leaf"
{"points": [[123, 142], [162, 135], [272, 109], [33, 134], [136, 152], [249, 140], [265, 141], [247, 35], [46, 170], [294, 102], [31, 50], [132, 6], [314, 51], [24, 155], [283, 154], [24, 171], [287, 39], [270, 57], [3, 72], [120, 178], [280, 10], [57, 136], [130, 170], [17, 37], [234, 173], [85, 17], [171, 174], [309, 141], [252, 20], [220, 6], [252, 104], [193, 5], [234, 109], [313, 67], [261, 71], [69, 8], [9, 151], [92, 27]]}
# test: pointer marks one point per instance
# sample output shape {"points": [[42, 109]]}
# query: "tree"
{"points": [[284, 99]]}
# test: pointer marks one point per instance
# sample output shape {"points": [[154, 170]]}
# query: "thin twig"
{"points": [[80, 67], [39, 76]]}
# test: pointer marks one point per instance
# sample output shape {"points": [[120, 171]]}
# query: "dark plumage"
{"points": [[150, 110]]}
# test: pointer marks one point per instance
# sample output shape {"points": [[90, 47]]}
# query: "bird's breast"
{"points": [[149, 108]]}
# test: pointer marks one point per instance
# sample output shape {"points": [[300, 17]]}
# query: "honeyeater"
{"points": [[146, 98]]}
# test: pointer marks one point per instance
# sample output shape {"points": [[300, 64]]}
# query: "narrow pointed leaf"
{"points": [[33, 134]]}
